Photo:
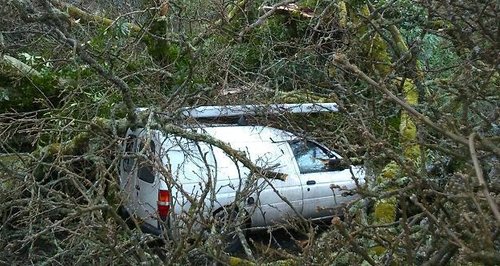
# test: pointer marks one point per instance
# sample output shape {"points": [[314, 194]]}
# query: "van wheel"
{"points": [[125, 215], [227, 223]]}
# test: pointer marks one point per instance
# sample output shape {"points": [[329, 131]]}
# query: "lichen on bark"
{"points": [[380, 62]]}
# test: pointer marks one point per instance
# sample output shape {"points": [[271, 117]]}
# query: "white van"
{"points": [[191, 181]]}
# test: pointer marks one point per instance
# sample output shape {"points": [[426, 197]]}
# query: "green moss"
{"points": [[235, 261], [407, 129], [53, 148], [288, 262], [77, 144], [410, 92], [375, 48], [342, 13], [381, 59], [298, 97], [385, 211], [390, 172], [377, 250], [412, 153]]}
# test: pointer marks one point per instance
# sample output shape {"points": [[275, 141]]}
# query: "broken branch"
{"points": [[19, 67], [264, 17]]}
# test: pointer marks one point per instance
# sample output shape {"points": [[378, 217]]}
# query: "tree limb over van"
{"points": [[119, 126], [259, 171]]}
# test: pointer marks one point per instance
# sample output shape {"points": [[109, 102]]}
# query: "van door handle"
{"points": [[137, 187], [311, 182]]}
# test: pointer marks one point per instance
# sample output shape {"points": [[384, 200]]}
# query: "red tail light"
{"points": [[163, 204]]}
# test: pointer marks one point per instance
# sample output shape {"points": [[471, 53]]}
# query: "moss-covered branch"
{"points": [[239, 156], [76, 13], [13, 66]]}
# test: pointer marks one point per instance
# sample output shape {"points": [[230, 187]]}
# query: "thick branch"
{"points": [[21, 68], [77, 13], [170, 128]]}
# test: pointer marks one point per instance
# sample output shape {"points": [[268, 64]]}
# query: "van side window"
{"points": [[128, 162], [146, 172], [311, 158]]}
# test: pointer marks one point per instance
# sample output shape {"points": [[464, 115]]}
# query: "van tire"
{"points": [[232, 242]]}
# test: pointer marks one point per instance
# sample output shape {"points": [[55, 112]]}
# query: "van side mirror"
{"points": [[337, 164]]}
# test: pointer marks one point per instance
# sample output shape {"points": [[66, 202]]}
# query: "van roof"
{"points": [[247, 134]]}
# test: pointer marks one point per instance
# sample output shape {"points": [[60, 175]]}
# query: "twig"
{"points": [[443, 255], [356, 248], [480, 177], [434, 219]]}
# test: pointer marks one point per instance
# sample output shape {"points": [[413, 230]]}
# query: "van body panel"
{"points": [[202, 178], [128, 172], [326, 193], [275, 199]]}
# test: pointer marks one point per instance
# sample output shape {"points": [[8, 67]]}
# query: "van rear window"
{"points": [[146, 170], [128, 162]]}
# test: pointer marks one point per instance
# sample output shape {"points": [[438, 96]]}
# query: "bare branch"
{"points": [[480, 177], [118, 82], [264, 17]]}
